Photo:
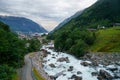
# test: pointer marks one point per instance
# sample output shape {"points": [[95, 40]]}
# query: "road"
{"points": [[27, 69], [26, 72]]}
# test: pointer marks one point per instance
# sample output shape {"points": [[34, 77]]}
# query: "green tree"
{"points": [[12, 51], [34, 45], [79, 48], [5, 72]]}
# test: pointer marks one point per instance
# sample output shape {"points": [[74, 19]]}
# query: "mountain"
{"points": [[22, 24], [102, 13], [67, 20], [4, 26], [80, 33]]}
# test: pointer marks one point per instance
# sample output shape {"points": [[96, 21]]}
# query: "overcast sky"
{"points": [[48, 13]]}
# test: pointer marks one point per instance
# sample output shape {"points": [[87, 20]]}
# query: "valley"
{"points": [[59, 65], [84, 46]]}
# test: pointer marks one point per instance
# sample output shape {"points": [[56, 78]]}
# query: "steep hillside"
{"points": [[107, 40], [102, 13], [67, 20], [22, 24], [4, 26], [76, 37]]}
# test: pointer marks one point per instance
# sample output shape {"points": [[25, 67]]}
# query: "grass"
{"points": [[107, 40], [37, 75], [15, 77]]}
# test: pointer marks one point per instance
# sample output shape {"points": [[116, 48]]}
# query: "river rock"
{"points": [[70, 68], [52, 65], [94, 63], [117, 75], [53, 77], [63, 59], [112, 68], [105, 75], [117, 63], [54, 57], [88, 56], [44, 61], [64, 74], [53, 54], [78, 72], [45, 54], [48, 52], [99, 78], [85, 63], [94, 73], [76, 77]]}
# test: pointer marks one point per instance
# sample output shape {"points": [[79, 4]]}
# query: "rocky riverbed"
{"points": [[103, 58], [93, 66]]}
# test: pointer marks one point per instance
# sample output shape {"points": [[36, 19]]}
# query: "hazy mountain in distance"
{"points": [[22, 24], [67, 20]]}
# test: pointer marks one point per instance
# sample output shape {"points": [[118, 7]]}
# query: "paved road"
{"points": [[27, 69]]}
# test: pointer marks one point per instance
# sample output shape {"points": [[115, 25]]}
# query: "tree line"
{"points": [[12, 51], [73, 41]]}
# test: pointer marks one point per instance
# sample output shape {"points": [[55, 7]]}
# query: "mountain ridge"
{"points": [[76, 36], [67, 20], [103, 13], [22, 24]]}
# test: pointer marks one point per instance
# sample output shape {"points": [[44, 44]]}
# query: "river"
{"points": [[56, 65]]}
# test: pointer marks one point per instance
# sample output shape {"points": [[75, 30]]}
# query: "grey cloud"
{"points": [[54, 11]]}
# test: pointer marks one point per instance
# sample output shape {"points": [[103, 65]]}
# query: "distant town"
{"points": [[30, 35]]}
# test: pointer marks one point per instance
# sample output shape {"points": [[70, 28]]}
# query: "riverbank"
{"points": [[93, 66], [53, 65], [37, 60], [103, 58]]}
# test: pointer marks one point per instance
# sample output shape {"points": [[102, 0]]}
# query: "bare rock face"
{"points": [[52, 65], [104, 75], [63, 59]]}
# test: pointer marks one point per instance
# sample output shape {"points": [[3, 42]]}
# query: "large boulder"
{"points": [[52, 65], [99, 78], [53, 77], [94, 63], [70, 68], [78, 72], [76, 77], [85, 63], [94, 73], [112, 68], [104, 75], [63, 59], [117, 75]]}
